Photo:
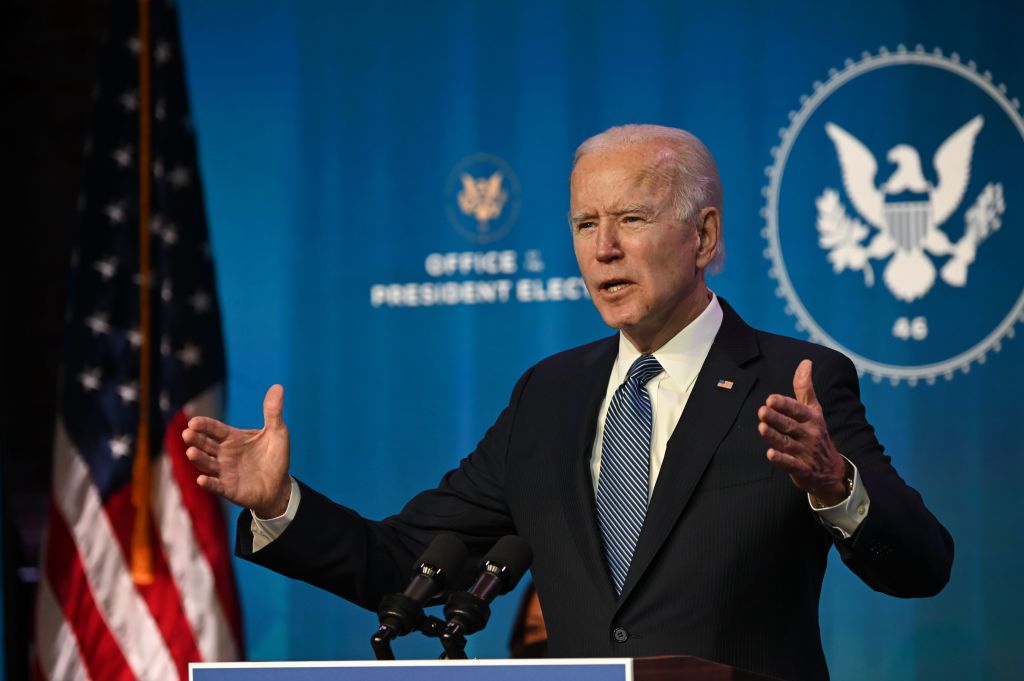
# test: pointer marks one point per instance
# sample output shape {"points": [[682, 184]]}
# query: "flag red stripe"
{"points": [[66, 574], [207, 523], [162, 596]]}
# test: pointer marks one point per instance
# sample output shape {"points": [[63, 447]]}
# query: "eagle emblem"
{"points": [[906, 212], [482, 198]]}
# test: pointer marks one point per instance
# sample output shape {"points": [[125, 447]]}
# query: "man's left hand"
{"points": [[800, 444]]}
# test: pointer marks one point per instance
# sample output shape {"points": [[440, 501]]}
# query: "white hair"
{"points": [[696, 180]]}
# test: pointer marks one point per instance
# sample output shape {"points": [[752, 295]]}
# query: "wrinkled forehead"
{"points": [[605, 174]]}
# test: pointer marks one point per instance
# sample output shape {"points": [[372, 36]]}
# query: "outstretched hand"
{"points": [[800, 443], [247, 467]]}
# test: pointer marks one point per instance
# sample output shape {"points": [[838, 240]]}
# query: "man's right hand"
{"points": [[247, 467]]}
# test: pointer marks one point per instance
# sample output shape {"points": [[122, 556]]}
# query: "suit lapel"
{"points": [[709, 414], [577, 487]]}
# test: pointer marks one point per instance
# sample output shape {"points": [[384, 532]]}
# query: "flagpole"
{"points": [[142, 550]]}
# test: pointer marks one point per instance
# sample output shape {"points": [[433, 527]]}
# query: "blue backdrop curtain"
{"points": [[336, 139]]}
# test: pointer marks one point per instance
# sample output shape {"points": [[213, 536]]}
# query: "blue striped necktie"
{"points": [[625, 468]]}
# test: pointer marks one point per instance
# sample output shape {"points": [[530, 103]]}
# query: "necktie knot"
{"points": [[644, 369]]}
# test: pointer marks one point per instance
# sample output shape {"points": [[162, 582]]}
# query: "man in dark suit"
{"points": [[677, 500]]}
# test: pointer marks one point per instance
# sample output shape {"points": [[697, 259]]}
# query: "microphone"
{"points": [[467, 612], [402, 613]]}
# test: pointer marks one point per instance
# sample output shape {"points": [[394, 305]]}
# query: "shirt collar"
{"points": [[683, 355]]}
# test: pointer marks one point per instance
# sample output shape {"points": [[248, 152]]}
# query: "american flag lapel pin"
{"points": [[722, 383]]}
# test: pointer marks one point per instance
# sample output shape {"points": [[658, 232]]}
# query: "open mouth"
{"points": [[614, 285]]}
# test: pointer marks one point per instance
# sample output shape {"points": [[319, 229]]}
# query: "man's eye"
{"points": [[581, 226], [632, 218]]}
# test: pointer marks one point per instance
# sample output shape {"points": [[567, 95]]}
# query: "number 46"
{"points": [[907, 329]]}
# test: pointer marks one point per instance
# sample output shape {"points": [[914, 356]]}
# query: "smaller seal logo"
{"points": [[482, 198]]}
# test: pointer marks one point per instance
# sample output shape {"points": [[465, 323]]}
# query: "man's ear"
{"points": [[709, 232]]}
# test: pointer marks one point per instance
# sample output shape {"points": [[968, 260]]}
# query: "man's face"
{"points": [[639, 261]]}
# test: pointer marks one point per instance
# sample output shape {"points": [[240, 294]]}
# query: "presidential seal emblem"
{"points": [[482, 198], [892, 215]]}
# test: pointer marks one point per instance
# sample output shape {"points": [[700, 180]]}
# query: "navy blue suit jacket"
{"points": [[730, 561]]}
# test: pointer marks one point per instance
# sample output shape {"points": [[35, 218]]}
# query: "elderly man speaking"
{"points": [[681, 482]]}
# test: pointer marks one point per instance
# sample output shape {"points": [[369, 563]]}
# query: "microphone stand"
{"points": [[454, 643], [467, 614], [429, 626]]}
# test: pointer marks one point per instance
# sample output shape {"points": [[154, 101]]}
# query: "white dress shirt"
{"points": [[681, 359]]}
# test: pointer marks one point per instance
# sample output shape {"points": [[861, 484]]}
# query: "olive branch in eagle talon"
{"points": [[983, 218], [907, 211], [842, 236]]}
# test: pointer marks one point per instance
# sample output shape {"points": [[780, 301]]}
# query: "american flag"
{"points": [[136, 579]]}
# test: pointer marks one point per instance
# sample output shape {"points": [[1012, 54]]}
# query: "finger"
{"points": [[273, 406], [778, 421], [203, 461], [803, 386], [210, 484], [790, 464], [780, 441], [203, 442], [787, 406], [210, 427]]}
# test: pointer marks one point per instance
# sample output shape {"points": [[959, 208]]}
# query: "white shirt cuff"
{"points": [[266, 531], [846, 516]]}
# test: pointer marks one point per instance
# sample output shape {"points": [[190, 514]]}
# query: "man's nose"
{"points": [[608, 247]]}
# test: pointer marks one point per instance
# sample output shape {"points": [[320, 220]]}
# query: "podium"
{"points": [[670, 668]]}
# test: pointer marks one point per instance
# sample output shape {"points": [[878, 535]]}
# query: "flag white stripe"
{"points": [[206, 403], [60, 659], [190, 569], [127, 615]]}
